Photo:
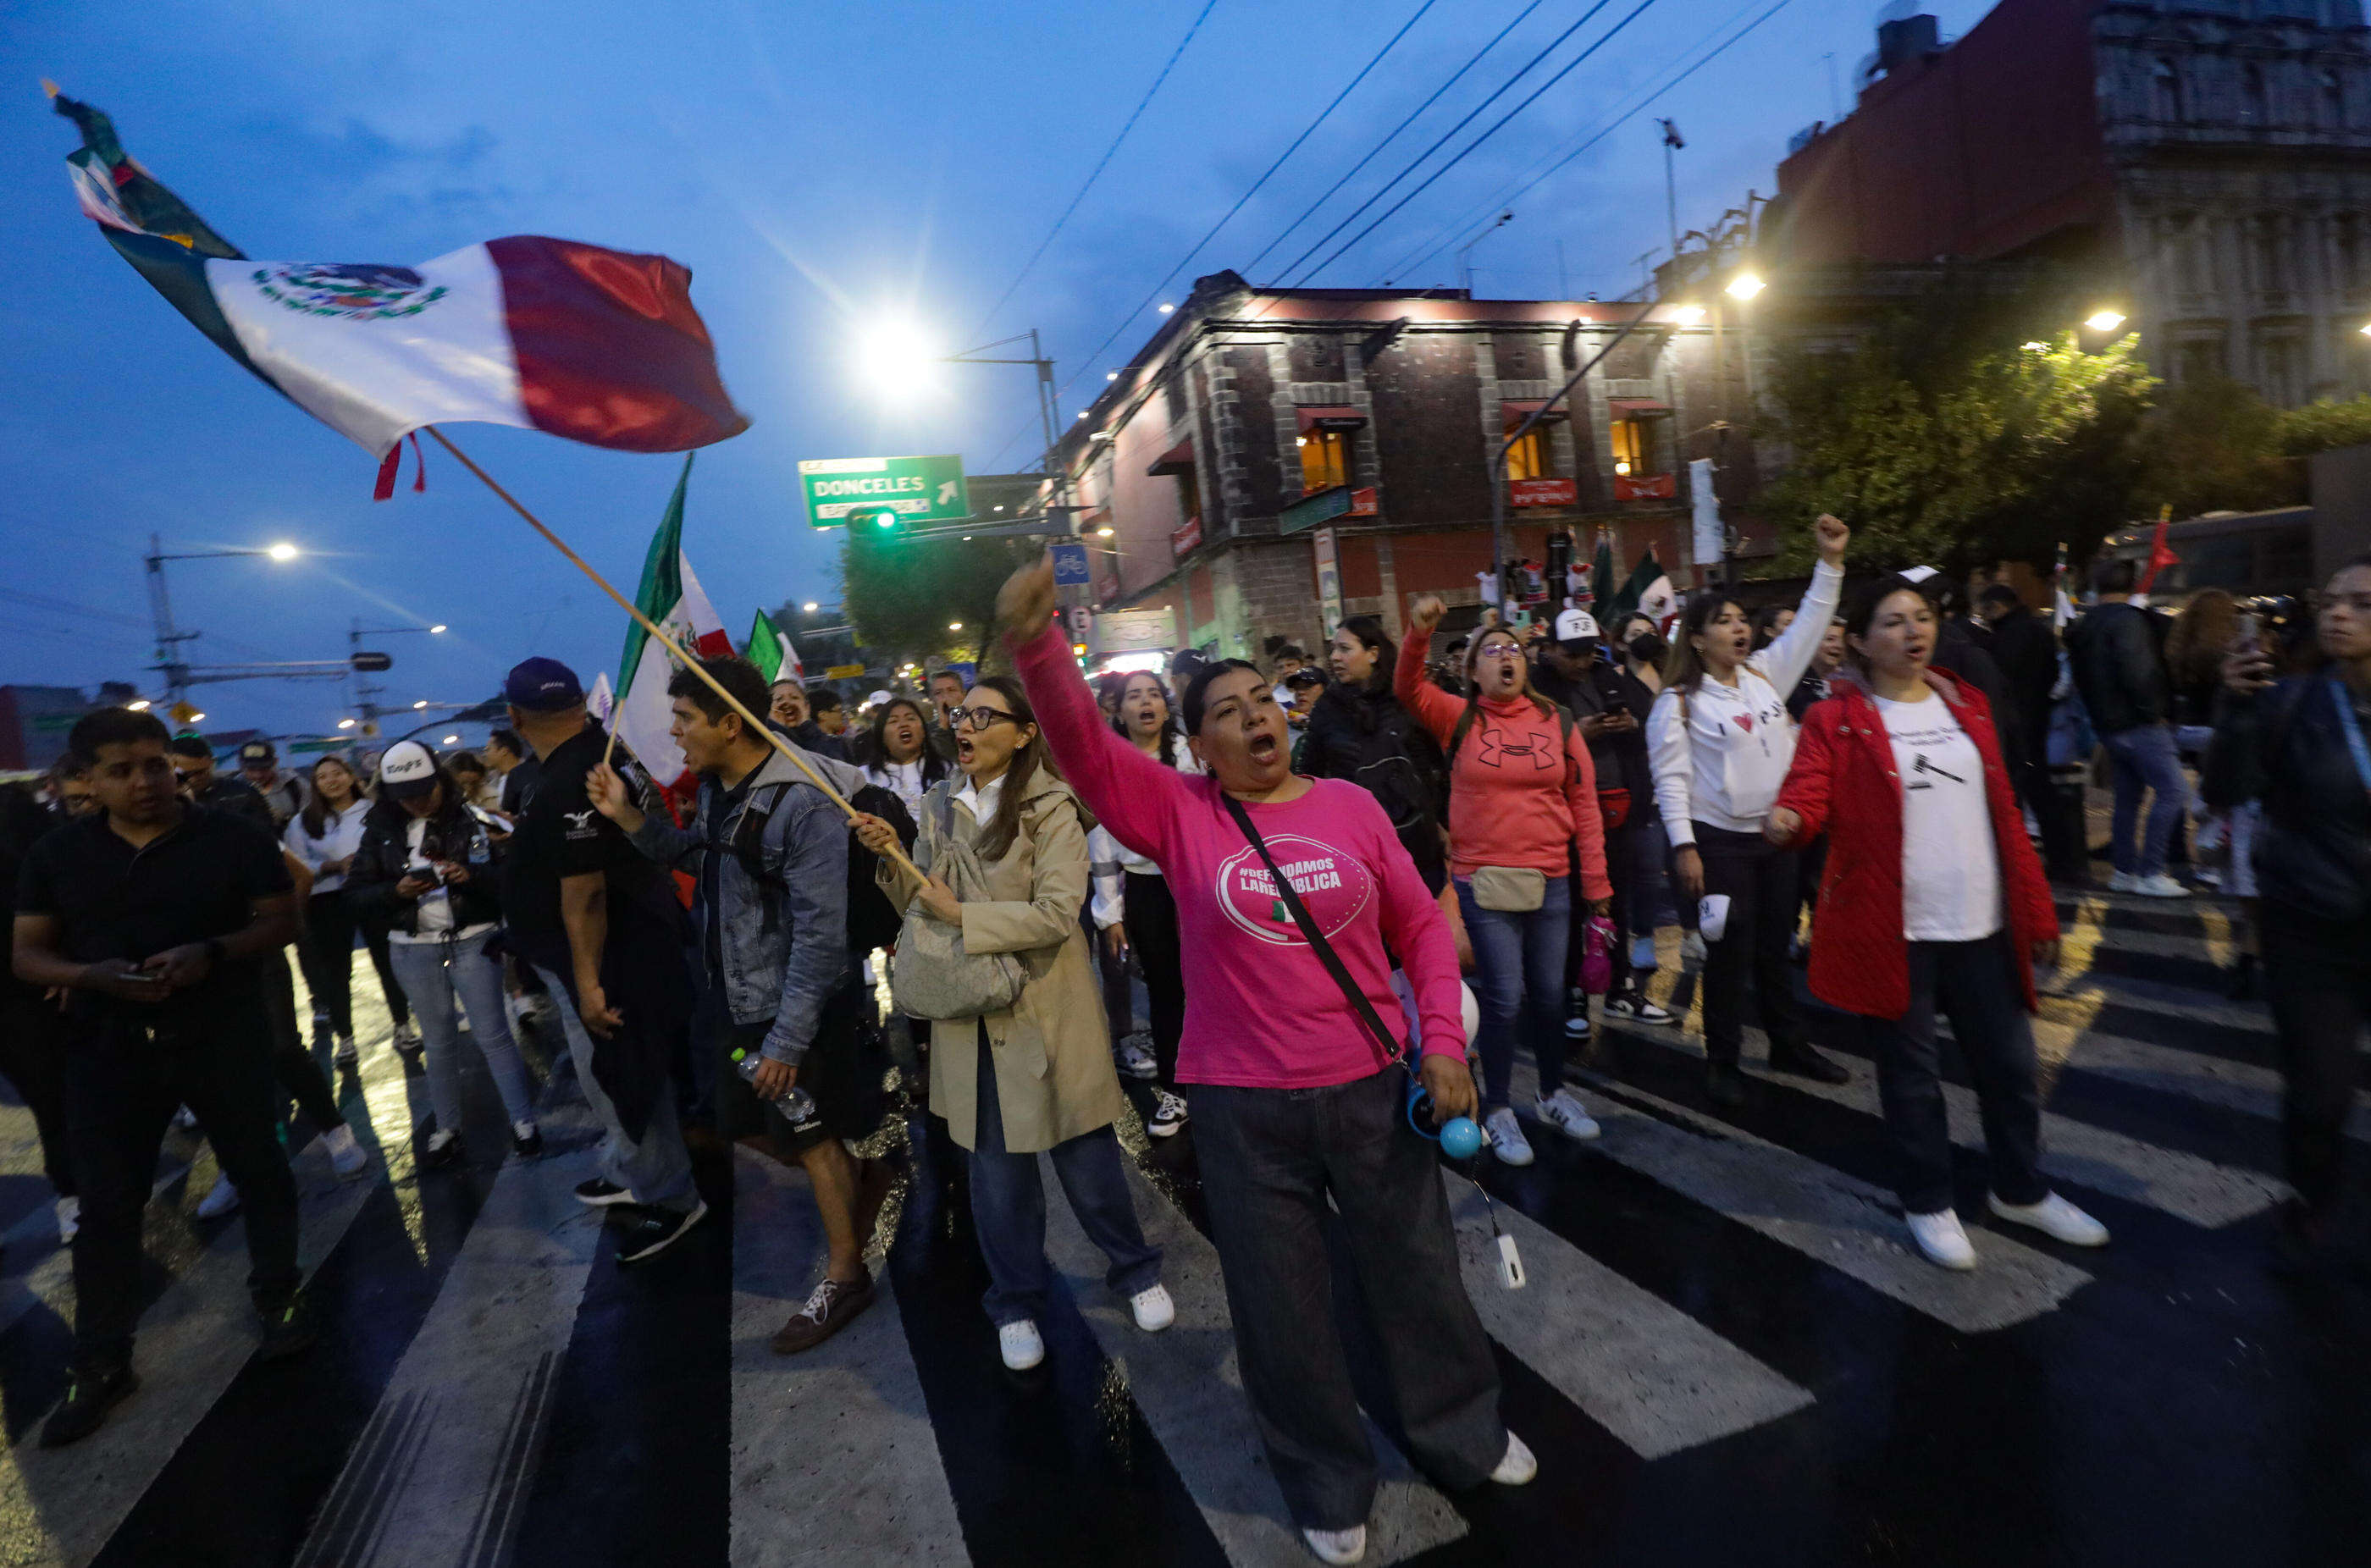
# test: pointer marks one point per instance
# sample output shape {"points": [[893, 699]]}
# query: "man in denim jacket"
{"points": [[770, 853]]}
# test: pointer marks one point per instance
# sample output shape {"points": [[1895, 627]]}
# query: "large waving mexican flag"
{"points": [[672, 596]]}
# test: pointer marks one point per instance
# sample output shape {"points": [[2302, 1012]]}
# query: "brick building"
{"points": [[2207, 163], [1260, 427]]}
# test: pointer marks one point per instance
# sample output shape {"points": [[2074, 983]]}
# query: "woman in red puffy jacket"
{"points": [[1933, 900]]}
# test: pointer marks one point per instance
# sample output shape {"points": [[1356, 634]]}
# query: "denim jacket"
{"points": [[784, 932]]}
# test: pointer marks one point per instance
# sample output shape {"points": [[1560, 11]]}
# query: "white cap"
{"points": [[407, 768], [1574, 624]]}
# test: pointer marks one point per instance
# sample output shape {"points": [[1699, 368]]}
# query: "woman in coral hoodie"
{"points": [[1523, 797], [1932, 901]]}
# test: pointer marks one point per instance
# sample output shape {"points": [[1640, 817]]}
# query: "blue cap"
{"points": [[542, 686]]}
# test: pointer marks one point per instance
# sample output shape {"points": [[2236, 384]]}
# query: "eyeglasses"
{"points": [[982, 718]]}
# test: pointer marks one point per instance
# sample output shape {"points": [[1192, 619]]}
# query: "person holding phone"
{"points": [[156, 917]]}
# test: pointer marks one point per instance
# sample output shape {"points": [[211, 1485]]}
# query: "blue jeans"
{"points": [[435, 973], [1008, 1209], [2143, 759], [1519, 973]]}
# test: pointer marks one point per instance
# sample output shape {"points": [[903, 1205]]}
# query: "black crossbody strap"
{"points": [[1389, 1048]]}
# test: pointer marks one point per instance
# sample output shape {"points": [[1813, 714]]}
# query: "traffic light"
{"points": [[879, 517]]}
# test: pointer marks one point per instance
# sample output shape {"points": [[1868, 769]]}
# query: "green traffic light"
{"points": [[886, 520]]}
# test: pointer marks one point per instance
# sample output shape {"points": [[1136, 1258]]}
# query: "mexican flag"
{"points": [[597, 345], [776, 656], [672, 596], [1648, 589]]}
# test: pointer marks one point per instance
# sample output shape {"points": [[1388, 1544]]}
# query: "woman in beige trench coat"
{"points": [[1039, 1077]]}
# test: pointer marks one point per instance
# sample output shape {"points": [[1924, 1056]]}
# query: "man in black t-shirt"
{"points": [[156, 917], [602, 924]]}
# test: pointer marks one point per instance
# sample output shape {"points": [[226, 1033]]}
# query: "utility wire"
{"points": [[1469, 148], [1101, 164], [1415, 163], [1376, 151], [1405, 266]]}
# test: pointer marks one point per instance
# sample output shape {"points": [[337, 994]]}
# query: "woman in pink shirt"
{"points": [[1294, 1100], [1522, 800]]}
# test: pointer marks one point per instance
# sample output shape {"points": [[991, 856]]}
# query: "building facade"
{"points": [[2208, 161], [1266, 435]]}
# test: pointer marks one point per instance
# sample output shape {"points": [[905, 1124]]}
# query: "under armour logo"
{"points": [[1501, 750]]}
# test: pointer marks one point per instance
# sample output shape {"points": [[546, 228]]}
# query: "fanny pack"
{"points": [[1510, 889]]}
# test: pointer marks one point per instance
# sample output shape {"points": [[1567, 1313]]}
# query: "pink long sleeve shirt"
{"points": [[1513, 800], [1261, 1012]]}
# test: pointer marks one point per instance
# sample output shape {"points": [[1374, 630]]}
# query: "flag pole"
{"points": [[756, 725]]}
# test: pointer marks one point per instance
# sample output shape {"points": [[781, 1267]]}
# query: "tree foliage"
{"points": [[903, 594], [1949, 440], [2214, 446], [2325, 426]]}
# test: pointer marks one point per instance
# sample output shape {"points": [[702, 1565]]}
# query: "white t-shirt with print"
{"points": [[1950, 867]]}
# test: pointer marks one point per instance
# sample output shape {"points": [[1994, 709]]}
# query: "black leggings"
{"points": [[1149, 911], [327, 956], [1760, 880], [375, 939], [2318, 978]]}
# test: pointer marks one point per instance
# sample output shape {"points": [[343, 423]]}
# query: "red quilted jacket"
{"points": [[1844, 781]]}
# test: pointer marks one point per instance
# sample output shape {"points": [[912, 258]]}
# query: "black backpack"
{"points": [[872, 920]]}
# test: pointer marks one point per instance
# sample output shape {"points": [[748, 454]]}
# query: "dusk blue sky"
{"points": [[820, 167]]}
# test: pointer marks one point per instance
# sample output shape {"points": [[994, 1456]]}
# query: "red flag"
{"points": [[2160, 555]]}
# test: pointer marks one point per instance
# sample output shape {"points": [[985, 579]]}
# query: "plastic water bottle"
{"points": [[797, 1106]]}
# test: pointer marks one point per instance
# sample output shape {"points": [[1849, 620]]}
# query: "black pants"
{"points": [[1269, 1159], [292, 1059], [327, 955], [1761, 881], [1149, 911], [2318, 978], [1976, 985], [33, 1047], [122, 1082], [397, 1009]]}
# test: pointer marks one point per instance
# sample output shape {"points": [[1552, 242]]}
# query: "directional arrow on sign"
{"points": [[947, 493]]}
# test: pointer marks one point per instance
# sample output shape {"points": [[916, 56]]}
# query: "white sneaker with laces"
{"points": [[1516, 1465], [1153, 1308], [2055, 1218], [1565, 1113], [1019, 1344], [69, 1212], [1577, 1026], [347, 1158], [1338, 1547], [1136, 1058], [2157, 887], [348, 1052], [1506, 1135], [1941, 1238], [220, 1202], [1168, 1114]]}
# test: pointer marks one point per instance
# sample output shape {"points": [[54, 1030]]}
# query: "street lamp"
{"points": [[954, 626], [141, 706], [1745, 285], [364, 693], [1689, 315], [345, 723], [2104, 320], [160, 604], [810, 607], [283, 551]]}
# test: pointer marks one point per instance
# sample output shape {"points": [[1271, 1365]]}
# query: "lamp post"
{"points": [[363, 691], [1465, 251], [169, 662]]}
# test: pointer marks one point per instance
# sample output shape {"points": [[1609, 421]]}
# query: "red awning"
{"points": [[1515, 410], [1179, 459], [1638, 409], [1328, 416]]}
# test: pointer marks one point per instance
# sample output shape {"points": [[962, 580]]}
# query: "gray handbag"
{"points": [[930, 975]]}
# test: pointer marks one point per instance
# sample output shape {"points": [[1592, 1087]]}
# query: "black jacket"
{"points": [[2287, 747], [2119, 669], [2025, 645], [462, 833], [1364, 735]]}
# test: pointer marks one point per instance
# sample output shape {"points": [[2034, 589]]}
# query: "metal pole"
{"points": [[168, 639], [1671, 188]]}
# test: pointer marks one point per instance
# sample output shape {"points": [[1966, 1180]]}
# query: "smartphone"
{"points": [[146, 976], [2250, 631]]}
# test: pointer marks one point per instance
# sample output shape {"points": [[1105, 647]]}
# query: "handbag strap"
{"points": [[1391, 1049]]}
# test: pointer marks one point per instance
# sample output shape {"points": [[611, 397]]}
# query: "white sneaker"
{"points": [[1566, 1115], [1516, 1465], [1152, 1307], [2120, 882], [69, 1212], [1505, 1136], [2157, 887], [1637, 1009], [1020, 1345], [347, 1158], [220, 1202], [1136, 1058], [348, 1052], [2055, 1218], [1939, 1235], [1337, 1546], [1168, 1114]]}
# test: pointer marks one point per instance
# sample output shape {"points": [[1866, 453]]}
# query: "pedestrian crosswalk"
{"points": [[1649, 1330]]}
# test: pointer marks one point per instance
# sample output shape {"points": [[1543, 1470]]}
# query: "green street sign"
{"points": [[904, 492]]}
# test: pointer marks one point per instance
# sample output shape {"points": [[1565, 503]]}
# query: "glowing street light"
{"points": [[283, 551], [1744, 286], [196, 718], [897, 357], [1689, 315], [141, 706], [810, 607], [421, 704], [437, 630], [1104, 531], [2104, 320], [1166, 308], [345, 723], [452, 740], [954, 626]]}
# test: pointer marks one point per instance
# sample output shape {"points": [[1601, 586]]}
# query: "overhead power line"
{"points": [[1101, 164], [1644, 5]]}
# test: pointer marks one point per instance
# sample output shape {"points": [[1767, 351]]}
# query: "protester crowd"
{"points": [[1306, 866]]}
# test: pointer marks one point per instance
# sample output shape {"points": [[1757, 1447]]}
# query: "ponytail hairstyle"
{"points": [[1684, 667]]}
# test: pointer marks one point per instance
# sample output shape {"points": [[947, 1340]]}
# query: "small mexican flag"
{"points": [[776, 656], [672, 596]]}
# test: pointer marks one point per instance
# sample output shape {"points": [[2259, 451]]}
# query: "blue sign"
{"points": [[1070, 566]]}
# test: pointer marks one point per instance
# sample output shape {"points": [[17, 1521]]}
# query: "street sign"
{"points": [[372, 663], [1136, 632], [1070, 569], [1329, 579], [915, 490], [843, 671]]}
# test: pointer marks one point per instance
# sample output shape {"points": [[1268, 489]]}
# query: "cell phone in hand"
{"points": [[2251, 636]]}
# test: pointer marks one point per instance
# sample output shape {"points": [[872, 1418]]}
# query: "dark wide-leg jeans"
{"points": [[1269, 1159], [122, 1083]]}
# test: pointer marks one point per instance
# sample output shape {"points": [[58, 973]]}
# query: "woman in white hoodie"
{"points": [[1721, 741]]}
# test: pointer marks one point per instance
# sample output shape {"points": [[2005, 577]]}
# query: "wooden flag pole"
{"points": [[690, 662]]}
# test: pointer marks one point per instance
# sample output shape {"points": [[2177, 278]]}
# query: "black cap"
{"points": [[189, 744], [542, 686], [255, 751]]}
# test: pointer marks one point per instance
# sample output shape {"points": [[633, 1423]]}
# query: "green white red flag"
{"points": [[671, 595], [776, 656]]}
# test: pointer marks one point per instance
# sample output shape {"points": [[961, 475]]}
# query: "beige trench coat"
{"points": [[1054, 1073]]}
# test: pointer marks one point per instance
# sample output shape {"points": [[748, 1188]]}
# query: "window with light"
{"points": [[1528, 458], [1634, 447], [1325, 460]]}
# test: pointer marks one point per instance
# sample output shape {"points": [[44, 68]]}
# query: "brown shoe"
{"points": [[827, 1311]]}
